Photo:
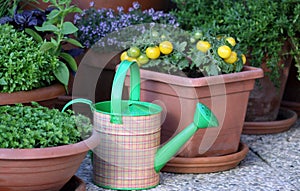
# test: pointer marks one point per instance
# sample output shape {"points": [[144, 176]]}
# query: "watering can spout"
{"points": [[203, 118]]}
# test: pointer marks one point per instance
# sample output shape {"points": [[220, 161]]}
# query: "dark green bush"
{"points": [[261, 26], [23, 66]]}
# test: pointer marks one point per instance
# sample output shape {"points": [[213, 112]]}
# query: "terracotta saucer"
{"points": [[295, 106], [74, 184], [285, 119], [206, 164]]}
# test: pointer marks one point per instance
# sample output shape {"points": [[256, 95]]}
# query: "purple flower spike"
{"points": [[92, 4]]}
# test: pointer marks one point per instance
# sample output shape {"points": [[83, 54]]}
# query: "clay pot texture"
{"points": [[46, 96], [42, 169], [84, 4], [226, 95], [291, 96], [265, 99]]}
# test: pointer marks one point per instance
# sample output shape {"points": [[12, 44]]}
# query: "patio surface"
{"points": [[272, 164]]}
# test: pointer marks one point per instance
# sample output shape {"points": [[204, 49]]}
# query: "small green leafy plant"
{"points": [[39, 127], [61, 34], [23, 66]]}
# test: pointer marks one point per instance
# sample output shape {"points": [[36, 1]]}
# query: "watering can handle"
{"points": [[117, 88], [78, 100]]}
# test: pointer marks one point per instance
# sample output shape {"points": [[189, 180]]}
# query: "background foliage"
{"points": [[261, 27]]}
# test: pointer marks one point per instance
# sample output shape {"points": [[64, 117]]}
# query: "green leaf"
{"points": [[34, 35], [68, 28], [47, 46], [53, 14], [47, 27], [74, 42], [74, 9], [3, 82], [71, 61], [62, 73]]}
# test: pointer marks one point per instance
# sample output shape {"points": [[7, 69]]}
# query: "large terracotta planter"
{"points": [[265, 99], [46, 96], [226, 95], [42, 169]]}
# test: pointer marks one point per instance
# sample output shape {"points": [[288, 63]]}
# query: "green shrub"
{"points": [[23, 66], [39, 127], [261, 27]]}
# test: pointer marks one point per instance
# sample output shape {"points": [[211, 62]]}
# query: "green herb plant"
{"points": [[23, 66], [261, 27], [39, 127], [61, 34]]}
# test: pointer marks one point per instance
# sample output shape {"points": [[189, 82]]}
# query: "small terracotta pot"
{"points": [[45, 95], [43, 169], [226, 95]]}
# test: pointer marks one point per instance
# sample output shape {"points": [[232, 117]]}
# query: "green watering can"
{"points": [[129, 155]]}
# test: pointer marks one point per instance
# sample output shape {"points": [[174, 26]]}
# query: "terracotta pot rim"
{"points": [[272, 126], [247, 73], [285, 103], [50, 152], [292, 105], [40, 94]]}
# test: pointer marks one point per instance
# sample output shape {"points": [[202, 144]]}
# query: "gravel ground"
{"points": [[272, 164]]}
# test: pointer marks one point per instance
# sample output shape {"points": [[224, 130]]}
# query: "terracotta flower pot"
{"points": [[42, 168], [46, 95], [265, 99], [291, 98], [84, 4], [226, 95]]}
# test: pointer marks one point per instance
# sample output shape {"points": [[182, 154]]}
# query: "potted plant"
{"points": [[41, 148], [176, 73], [25, 70], [32, 62], [98, 24], [265, 29]]}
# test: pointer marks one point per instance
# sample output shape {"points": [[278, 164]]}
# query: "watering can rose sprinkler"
{"points": [[128, 156]]}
